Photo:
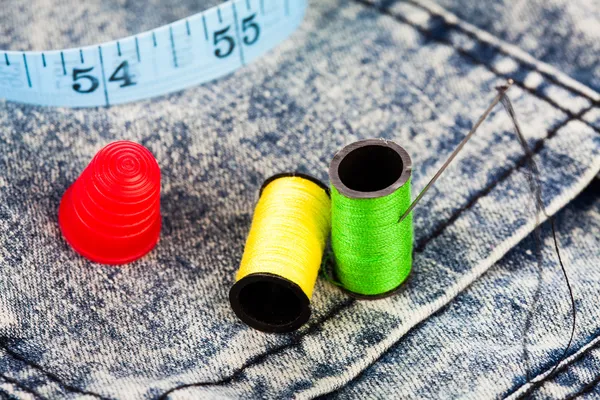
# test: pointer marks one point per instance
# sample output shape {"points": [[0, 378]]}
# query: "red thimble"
{"points": [[111, 214]]}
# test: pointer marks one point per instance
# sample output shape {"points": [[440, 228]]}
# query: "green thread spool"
{"points": [[370, 192]]}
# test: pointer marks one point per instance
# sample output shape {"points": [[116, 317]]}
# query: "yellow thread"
{"points": [[289, 231]]}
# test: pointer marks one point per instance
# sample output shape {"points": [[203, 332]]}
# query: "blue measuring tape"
{"points": [[188, 52]]}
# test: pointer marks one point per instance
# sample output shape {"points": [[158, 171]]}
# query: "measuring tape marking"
{"points": [[103, 75], [237, 34], [194, 50]]}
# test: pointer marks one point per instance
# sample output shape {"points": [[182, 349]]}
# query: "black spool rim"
{"points": [[336, 181], [294, 175], [238, 307], [379, 296]]}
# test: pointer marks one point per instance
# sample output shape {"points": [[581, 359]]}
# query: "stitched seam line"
{"points": [[48, 374], [539, 145], [475, 60], [538, 384], [264, 356], [21, 386], [500, 49], [523, 395]]}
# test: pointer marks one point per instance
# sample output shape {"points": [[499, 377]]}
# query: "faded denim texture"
{"points": [[401, 70]]}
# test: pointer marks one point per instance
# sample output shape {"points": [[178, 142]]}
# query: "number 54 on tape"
{"points": [[188, 52]]}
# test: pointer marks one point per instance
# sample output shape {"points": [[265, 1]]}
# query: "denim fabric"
{"points": [[473, 348], [562, 33], [163, 326]]}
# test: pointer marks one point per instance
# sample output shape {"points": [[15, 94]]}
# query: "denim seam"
{"points": [[51, 376], [538, 384], [500, 49], [475, 60], [263, 356], [539, 145], [21, 387], [522, 395]]}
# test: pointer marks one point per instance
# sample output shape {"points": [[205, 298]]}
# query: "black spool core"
{"points": [[269, 303], [369, 169]]}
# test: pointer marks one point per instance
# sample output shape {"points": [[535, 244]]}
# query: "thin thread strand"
{"points": [[533, 178]]}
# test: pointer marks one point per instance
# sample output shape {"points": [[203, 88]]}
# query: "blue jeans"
{"points": [[400, 70]]}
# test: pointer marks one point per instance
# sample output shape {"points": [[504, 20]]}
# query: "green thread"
{"points": [[372, 251]]}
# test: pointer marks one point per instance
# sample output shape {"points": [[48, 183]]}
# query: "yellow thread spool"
{"points": [[283, 253]]}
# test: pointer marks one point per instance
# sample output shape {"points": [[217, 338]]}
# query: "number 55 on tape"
{"points": [[188, 52]]}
